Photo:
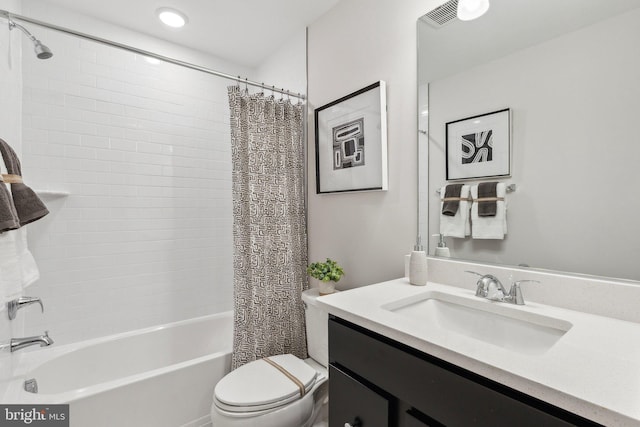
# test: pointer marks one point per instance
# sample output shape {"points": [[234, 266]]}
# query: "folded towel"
{"points": [[450, 207], [18, 269], [27, 204], [10, 270], [487, 207], [28, 268], [18, 206], [489, 227], [457, 225]]}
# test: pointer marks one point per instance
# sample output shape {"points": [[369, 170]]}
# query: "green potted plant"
{"points": [[327, 274]]}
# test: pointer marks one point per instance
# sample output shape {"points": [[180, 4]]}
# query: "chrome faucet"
{"points": [[19, 343], [14, 305], [489, 287]]}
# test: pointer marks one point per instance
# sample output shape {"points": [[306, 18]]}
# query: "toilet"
{"points": [[260, 394]]}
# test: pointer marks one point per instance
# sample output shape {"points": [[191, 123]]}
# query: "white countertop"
{"points": [[593, 370]]}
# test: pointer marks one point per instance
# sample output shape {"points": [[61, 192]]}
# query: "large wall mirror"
{"points": [[569, 71]]}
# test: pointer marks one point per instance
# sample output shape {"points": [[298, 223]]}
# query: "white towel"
{"points": [[18, 268], [489, 227], [458, 225]]}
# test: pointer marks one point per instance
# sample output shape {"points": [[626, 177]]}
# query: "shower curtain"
{"points": [[269, 226]]}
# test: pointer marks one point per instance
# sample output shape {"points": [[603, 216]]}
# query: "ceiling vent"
{"points": [[441, 15]]}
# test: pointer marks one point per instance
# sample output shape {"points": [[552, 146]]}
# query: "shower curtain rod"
{"points": [[150, 54]]}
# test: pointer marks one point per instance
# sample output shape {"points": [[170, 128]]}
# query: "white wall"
{"points": [[286, 67], [145, 236], [355, 44], [574, 101], [144, 150]]}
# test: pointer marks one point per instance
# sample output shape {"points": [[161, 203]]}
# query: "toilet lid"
{"points": [[259, 385]]}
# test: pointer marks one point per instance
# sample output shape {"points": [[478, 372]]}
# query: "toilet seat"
{"points": [[260, 387]]}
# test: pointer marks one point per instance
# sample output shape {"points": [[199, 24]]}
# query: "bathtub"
{"points": [[159, 376]]}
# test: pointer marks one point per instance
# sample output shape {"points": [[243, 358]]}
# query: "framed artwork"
{"points": [[479, 146], [351, 142]]}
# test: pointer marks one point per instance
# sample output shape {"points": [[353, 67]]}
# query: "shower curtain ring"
{"points": [[273, 91], [246, 84]]}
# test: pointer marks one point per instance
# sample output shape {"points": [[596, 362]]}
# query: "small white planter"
{"points": [[325, 288]]}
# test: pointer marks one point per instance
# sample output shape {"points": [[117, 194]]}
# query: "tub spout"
{"points": [[19, 343]]}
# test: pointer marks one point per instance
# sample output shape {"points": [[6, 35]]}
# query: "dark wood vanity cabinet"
{"points": [[378, 382], [355, 403]]}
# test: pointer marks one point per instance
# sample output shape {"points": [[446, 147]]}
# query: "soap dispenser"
{"points": [[418, 265], [442, 250]]}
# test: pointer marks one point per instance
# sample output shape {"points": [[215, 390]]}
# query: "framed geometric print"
{"points": [[479, 146]]}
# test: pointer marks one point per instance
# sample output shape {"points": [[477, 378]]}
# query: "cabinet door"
{"points": [[353, 403]]}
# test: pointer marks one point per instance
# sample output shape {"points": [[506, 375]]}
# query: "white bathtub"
{"points": [[155, 377]]}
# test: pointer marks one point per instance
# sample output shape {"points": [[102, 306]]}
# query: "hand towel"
{"points": [[27, 204], [487, 190], [450, 207], [489, 227], [457, 225], [18, 268], [28, 268]]}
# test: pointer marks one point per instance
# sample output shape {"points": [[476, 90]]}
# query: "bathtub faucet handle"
{"points": [[14, 305]]}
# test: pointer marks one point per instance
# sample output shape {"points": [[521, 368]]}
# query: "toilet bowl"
{"points": [[283, 391]]}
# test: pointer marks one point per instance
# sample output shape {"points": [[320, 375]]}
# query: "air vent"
{"points": [[442, 15]]}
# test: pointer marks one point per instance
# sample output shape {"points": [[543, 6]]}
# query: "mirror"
{"points": [[569, 72]]}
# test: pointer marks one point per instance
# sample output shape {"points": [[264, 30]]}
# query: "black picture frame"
{"points": [[351, 142], [479, 147]]}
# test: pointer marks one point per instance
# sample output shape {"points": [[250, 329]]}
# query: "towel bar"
{"points": [[510, 188]]}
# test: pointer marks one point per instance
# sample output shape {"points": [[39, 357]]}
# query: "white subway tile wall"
{"points": [[145, 236]]}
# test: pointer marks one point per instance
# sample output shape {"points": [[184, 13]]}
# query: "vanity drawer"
{"points": [[446, 393], [411, 419], [352, 402]]}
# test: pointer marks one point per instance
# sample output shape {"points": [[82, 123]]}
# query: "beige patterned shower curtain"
{"points": [[269, 226]]}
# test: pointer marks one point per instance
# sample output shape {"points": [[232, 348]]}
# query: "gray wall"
{"points": [[355, 44]]}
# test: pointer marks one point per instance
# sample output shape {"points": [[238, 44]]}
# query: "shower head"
{"points": [[42, 51]]}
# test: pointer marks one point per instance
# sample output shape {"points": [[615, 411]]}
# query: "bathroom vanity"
{"points": [[437, 355], [385, 383]]}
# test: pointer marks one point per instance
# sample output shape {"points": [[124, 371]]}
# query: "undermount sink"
{"points": [[494, 323]]}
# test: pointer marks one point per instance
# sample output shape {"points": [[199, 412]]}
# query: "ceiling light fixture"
{"points": [[472, 9], [171, 17]]}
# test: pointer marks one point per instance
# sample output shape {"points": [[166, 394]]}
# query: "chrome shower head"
{"points": [[42, 51]]}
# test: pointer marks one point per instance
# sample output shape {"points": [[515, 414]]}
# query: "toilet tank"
{"points": [[317, 327]]}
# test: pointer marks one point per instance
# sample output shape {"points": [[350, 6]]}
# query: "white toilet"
{"points": [[260, 395]]}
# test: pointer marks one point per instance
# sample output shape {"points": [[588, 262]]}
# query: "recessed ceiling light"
{"points": [[472, 9], [171, 17]]}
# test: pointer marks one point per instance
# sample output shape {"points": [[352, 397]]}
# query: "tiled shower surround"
{"points": [[144, 236]]}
